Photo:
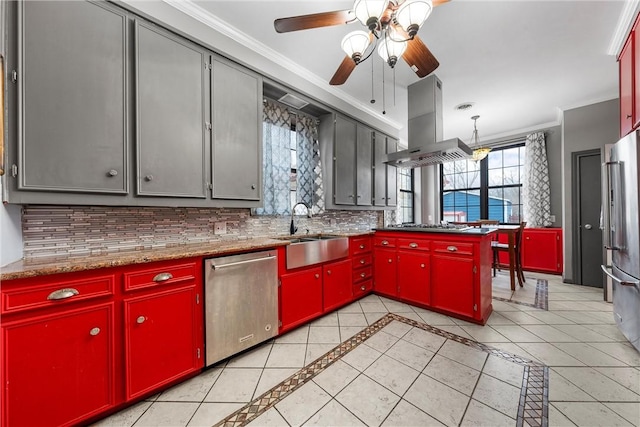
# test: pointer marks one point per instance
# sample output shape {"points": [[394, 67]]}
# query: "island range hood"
{"points": [[426, 146]]}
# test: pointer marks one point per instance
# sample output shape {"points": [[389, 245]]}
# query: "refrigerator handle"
{"points": [[607, 206], [606, 268]]}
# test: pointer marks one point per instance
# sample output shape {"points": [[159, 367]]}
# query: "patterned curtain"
{"points": [[535, 184], [309, 172], [276, 160]]}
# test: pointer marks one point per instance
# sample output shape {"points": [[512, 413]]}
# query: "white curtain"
{"points": [[536, 190], [309, 173]]}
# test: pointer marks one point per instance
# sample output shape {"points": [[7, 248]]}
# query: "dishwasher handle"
{"points": [[233, 264]]}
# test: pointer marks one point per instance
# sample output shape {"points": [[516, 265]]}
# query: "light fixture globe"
{"points": [[355, 43], [369, 12], [412, 14], [390, 50]]}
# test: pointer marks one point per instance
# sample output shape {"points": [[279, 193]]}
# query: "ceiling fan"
{"points": [[393, 26]]}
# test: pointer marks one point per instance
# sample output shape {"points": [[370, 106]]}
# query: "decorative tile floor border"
{"points": [[532, 408], [541, 300]]}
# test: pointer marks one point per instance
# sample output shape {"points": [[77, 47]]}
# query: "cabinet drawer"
{"points": [[362, 261], [453, 248], [385, 242], [360, 245], [362, 274], [359, 289], [413, 244], [168, 274], [56, 293]]}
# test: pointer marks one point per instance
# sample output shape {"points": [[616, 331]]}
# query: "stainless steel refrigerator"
{"points": [[622, 233]]}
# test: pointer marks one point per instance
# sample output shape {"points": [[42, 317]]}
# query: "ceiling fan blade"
{"points": [[315, 20], [343, 72], [419, 57]]}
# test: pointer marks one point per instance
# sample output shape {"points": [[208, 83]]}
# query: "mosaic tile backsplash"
{"points": [[91, 230]]}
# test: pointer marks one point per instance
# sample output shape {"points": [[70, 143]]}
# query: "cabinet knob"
{"points": [[362, 261], [452, 248], [351, 196], [628, 116], [162, 277], [94, 331], [140, 319], [390, 260], [363, 288], [62, 294], [148, 178], [361, 246], [384, 242], [363, 275], [253, 187], [422, 265], [527, 238], [359, 196], [413, 245], [112, 172], [329, 272], [317, 276]]}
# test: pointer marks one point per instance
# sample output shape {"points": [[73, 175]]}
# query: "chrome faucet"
{"points": [[292, 227]]}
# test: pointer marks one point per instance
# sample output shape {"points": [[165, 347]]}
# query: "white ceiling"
{"points": [[520, 62]]}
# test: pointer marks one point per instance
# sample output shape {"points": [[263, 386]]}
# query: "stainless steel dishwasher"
{"points": [[241, 302]]}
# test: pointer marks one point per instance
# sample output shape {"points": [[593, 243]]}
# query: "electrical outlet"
{"points": [[552, 218], [220, 228]]}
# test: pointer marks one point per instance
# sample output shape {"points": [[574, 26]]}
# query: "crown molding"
{"points": [[207, 18], [621, 31]]}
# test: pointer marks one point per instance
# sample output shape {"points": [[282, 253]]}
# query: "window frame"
{"points": [[410, 191], [485, 188]]}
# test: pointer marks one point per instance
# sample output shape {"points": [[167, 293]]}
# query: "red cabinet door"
{"points": [[336, 284], [625, 64], [414, 277], [62, 367], [385, 272], [541, 250], [300, 297], [161, 341], [452, 284]]}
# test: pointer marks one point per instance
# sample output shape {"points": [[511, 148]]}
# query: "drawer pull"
{"points": [[328, 272], [361, 246], [94, 331], [384, 242], [390, 260], [63, 294], [362, 261], [363, 288], [162, 277], [452, 248], [363, 275], [140, 319], [413, 245]]}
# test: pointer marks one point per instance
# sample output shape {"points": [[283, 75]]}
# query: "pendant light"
{"points": [[411, 15], [479, 152], [369, 12], [355, 43]]}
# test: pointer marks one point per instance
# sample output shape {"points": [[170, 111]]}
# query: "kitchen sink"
{"points": [[314, 249]]}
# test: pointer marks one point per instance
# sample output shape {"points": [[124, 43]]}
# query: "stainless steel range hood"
{"points": [[426, 146]]}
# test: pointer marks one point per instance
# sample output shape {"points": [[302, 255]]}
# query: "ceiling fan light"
{"points": [[390, 50], [412, 14], [369, 11], [355, 43]]}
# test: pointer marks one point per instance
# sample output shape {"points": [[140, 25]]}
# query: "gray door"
{"points": [[237, 132], [392, 179], [364, 165], [74, 97], [380, 169], [588, 244], [344, 161], [171, 89]]}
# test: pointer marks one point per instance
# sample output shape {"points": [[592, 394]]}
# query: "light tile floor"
{"points": [[404, 375]]}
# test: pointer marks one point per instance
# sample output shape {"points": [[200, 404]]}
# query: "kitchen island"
{"points": [[447, 270]]}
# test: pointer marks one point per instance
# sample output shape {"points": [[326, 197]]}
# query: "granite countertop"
{"points": [[72, 263]]}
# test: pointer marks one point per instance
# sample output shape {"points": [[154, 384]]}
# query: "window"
{"points": [[405, 196], [489, 189]]}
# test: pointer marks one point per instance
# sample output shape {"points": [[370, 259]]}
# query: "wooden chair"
{"points": [[488, 222], [498, 247]]}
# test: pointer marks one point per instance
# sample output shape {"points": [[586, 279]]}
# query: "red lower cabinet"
{"points": [[300, 297], [161, 344], [385, 280], [453, 284], [58, 369], [542, 250], [336, 284], [414, 277]]}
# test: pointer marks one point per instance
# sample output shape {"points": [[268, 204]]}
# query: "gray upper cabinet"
{"points": [[344, 161], [364, 163], [392, 177], [172, 140], [73, 88], [237, 132], [379, 170]]}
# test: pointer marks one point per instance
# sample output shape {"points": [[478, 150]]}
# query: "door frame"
{"points": [[575, 210]]}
